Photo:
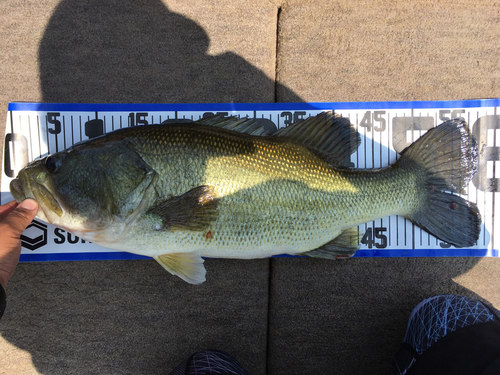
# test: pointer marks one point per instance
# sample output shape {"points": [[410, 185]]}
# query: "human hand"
{"points": [[14, 219]]}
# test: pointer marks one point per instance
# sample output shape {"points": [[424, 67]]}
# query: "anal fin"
{"points": [[344, 245], [188, 266]]}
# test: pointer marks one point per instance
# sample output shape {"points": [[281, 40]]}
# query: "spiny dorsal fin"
{"points": [[344, 245], [332, 136], [193, 210], [188, 266], [241, 125]]}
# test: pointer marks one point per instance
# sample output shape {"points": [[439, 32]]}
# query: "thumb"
{"points": [[11, 228], [21, 217]]}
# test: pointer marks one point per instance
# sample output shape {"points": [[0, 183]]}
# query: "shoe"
{"points": [[435, 318]]}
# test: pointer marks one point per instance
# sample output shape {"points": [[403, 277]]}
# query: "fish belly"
{"points": [[282, 217]]}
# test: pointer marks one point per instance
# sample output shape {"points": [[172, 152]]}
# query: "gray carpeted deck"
{"points": [[280, 316]]}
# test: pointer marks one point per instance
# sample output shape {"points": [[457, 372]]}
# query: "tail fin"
{"points": [[448, 153]]}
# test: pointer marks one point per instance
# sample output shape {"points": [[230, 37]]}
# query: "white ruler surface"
{"points": [[34, 130]]}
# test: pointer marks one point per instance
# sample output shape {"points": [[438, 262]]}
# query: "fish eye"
{"points": [[53, 163]]}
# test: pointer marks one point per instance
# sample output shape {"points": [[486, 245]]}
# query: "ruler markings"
{"points": [[38, 125], [370, 155], [64, 132], [32, 154], [47, 134], [493, 193]]}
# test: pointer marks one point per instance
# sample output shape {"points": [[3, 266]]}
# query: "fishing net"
{"points": [[438, 316], [210, 362]]}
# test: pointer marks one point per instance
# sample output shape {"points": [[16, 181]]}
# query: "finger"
{"points": [[6, 208], [11, 228], [19, 218]]}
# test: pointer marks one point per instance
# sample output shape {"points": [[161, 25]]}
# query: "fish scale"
{"points": [[274, 181], [180, 192]]}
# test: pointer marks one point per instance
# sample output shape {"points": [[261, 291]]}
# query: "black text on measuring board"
{"points": [[292, 117], [137, 119], [375, 120], [66, 237], [53, 123], [375, 237]]}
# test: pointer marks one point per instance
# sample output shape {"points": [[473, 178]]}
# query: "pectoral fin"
{"points": [[193, 210], [188, 266], [344, 245]]}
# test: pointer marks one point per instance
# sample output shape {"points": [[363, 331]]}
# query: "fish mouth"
{"points": [[17, 190], [20, 189]]}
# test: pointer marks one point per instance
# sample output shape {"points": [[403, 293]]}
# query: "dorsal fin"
{"points": [[332, 136], [241, 125]]}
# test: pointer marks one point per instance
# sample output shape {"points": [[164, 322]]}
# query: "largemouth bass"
{"points": [[224, 187]]}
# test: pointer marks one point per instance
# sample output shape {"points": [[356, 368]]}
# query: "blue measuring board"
{"points": [[34, 130]]}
